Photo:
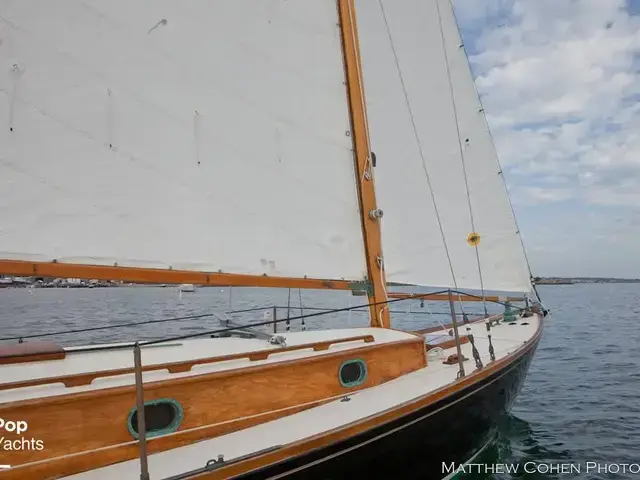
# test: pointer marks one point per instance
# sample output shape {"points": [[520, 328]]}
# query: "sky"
{"points": [[560, 84]]}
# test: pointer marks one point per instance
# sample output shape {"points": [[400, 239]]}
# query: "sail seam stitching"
{"points": [[504, 183], [461, 149], [417, 137]]}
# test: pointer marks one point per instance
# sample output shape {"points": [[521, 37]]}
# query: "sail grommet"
{"points": [[376, 214]]}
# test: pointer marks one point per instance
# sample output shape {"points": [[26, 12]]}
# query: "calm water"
{"points": [[579, 404]]}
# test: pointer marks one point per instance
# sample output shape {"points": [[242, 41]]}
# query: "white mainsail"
{"points": [[205, 136], [425, 118]]}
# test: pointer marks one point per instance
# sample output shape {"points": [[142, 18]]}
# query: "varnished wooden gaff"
{"points": [[156, 275], [364, 170]]}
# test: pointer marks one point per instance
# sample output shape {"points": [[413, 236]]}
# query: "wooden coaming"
{"points": [[304, 446], [80, 379], [220, 402]]}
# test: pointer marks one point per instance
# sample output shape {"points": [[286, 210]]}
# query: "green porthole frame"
{"points": [[363, 374], [177, 421]]}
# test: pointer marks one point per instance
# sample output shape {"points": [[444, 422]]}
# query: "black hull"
{"points": [[416, 445]]}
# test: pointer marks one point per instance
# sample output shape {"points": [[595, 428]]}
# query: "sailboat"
{"points": [[187, 288], [318, 144]]}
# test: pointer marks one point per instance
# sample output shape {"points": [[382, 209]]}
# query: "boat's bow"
{"points": [[331, 391]]}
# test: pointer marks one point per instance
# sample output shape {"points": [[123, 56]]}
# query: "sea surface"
{"points": [[578, 410]]}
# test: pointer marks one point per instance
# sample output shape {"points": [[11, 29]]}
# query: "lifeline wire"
{"points": [[417, 137]]}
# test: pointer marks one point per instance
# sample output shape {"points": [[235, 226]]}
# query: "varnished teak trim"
{"points": [[40, 357], [79, 379], [243, 397]]}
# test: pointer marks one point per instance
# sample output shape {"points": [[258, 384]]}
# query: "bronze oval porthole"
{"points": [[352, 373], [161, 417]]}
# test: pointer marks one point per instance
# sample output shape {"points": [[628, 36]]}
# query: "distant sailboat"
{"points": [[246, 129]]}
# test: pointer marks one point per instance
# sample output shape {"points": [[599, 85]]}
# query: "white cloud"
{"points": [[560, 82], [541, 194]]}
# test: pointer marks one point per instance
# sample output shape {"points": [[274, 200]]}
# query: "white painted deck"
{"points": [[96, 361], [506, 338]]}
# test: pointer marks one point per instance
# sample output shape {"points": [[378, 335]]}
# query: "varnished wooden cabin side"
{"points": [[90, 429]]}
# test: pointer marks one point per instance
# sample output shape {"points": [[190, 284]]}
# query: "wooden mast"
{"points": [[379, 314]]}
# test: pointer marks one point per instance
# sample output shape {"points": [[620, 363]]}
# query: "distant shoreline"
{"points": [[575, 280], [554, 282], [39, 282]]}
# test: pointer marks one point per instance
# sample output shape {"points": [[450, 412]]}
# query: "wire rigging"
{"points": [[239, 327], [460, 147], [419, 144], [304, 327], [504, 183], [108, 327]]}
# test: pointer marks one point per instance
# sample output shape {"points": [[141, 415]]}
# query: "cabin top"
{"points": [[93, 368]]}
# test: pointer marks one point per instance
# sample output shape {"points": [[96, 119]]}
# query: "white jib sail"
{"points": [[413, 80]]}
